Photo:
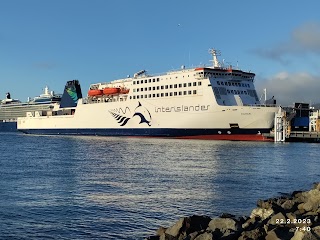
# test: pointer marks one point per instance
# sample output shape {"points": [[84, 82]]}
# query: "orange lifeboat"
{"points": [[124, 91], [94, 92], [109, 91]]}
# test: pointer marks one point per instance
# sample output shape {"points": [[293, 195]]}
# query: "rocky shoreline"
{"points": [[295, 216]]}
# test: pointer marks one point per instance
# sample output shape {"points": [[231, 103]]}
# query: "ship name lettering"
{"points": [[196, 108]]}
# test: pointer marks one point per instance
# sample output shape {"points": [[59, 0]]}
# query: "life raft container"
{"points": [[124, 90], [94, 92], [108, 91]]}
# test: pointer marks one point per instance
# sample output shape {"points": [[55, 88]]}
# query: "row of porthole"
{"points": [[170, 94], [180, 85]]}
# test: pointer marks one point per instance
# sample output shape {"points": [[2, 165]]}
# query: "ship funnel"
{"points": [[72, 93]]}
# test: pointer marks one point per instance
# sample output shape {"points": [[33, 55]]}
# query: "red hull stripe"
{"points": [[233, 137]]}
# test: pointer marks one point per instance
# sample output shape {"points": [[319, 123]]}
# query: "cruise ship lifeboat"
{"points": [[124, 91], [108, 91], [94, 92]]}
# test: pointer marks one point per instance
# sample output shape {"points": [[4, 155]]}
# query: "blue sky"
{"points": [[50, 42]]}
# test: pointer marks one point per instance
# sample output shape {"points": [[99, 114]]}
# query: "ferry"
{"points": [[11, 109], [215, 102]]}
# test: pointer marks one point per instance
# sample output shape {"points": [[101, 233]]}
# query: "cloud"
{"points": [[303, 40], [288, 88]]}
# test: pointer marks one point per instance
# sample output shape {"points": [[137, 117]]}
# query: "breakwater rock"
{"points": [[294, 216]]}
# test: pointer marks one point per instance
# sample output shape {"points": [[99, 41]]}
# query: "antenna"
{"points": [[214, 54]]}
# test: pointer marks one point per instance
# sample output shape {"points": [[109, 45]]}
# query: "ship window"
{"points": [[166, 94], [134, 82], [157, 94], [145, 81], [175, 93], [180, 93], [130, 97], [184, 92], [137, 96], [170, 85], [162, 87], [228, 91], [153, 88], [175, 86], [199, 83], [157, 87], [153, 95], [149, 95], [180, 85], [149, 80], [184, 85], [166, 87], [161, 94], [170, 93], [153, 80], [134, 90], [137, 82], [137, 89], [233, 84], [146, 89], [194, 91], [149, 88], [141, 81], [158, 79], [141, 89], [141, 96], [189, 84], [134, 97], [194, 83], [218, 83]]}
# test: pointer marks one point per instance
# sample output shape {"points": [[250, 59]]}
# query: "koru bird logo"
{"points": [[121, 116]]}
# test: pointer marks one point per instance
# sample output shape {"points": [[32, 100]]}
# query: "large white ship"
{"points": [[11, 109], [216, 102]]}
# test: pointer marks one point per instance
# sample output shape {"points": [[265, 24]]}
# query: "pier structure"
{"points": [[297, 124]]}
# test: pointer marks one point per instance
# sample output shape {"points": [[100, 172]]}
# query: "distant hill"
{"points": [[316, 106]]}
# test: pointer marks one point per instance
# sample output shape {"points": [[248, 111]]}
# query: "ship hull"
{"points": [[8, 126], [157, 119], [204, 134]]}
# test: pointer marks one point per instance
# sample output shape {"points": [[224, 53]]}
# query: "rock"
{"points": [[316, 186], [298, 235], [251, 223], [161, 230], [204, 236], [223, 224], [272, 236], [254, 234], [153, 238], [278, 219], [175, 229], [288, 205], [316, 231], [261, 212], [197, 223]]}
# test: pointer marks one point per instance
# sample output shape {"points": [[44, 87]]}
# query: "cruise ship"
{"points": [[11, 109], [209, 102]]}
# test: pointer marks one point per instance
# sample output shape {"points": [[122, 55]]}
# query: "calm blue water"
{"points": [[55, 187]]}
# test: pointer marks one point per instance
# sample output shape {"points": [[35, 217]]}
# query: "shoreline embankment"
{"points": [[294, 216]]}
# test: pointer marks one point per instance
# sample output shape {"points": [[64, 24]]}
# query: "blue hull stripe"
{"points": [[147, 132], [8, 126]]}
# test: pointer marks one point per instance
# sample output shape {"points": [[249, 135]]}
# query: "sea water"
{"points": [[72, 187]]}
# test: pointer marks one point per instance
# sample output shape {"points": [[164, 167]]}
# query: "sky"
{"points": [[50, 42]]}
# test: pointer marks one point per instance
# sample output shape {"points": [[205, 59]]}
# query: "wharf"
{"points": [[298, 136]]}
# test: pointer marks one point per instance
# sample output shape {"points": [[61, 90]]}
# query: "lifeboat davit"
{"points": [[124, 90], [108, 91], [94, 92]]}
